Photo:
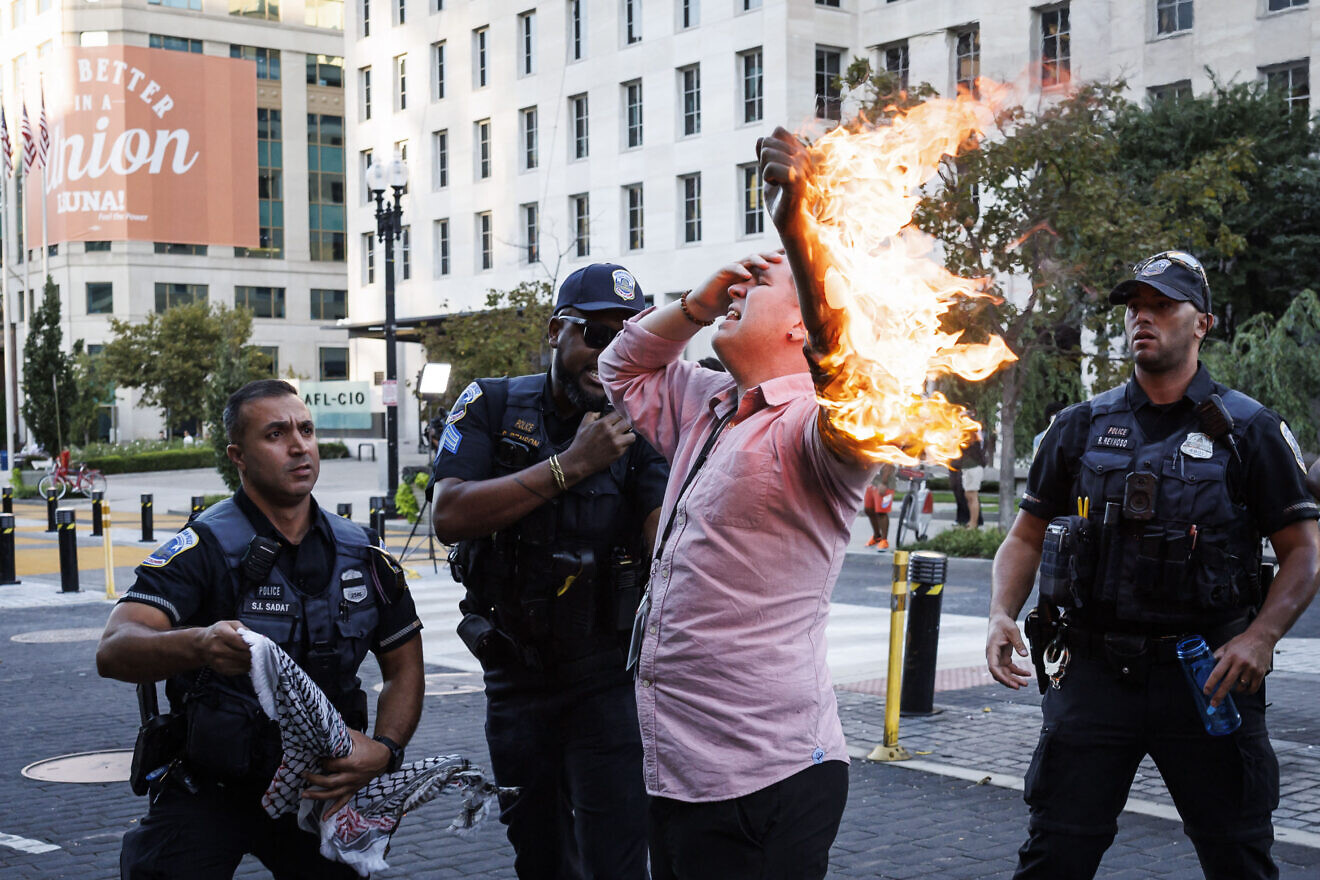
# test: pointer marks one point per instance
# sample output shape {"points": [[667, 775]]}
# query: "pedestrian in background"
{"points": [[1155, 495], [878, 504]]}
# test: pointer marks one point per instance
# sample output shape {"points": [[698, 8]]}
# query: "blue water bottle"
{"points": [[1197, 663]]}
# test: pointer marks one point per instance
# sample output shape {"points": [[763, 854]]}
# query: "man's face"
{"points": [[1163, 334], [573, 367], [761, 314], [277, 453]]}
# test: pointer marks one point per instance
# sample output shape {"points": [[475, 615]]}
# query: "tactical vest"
{"points": [[1196, 560], [328, 633], [545, 580]]}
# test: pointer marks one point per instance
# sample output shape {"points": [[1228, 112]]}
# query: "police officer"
{"points": [[553, 503], [270, 560], [1151, 500]]}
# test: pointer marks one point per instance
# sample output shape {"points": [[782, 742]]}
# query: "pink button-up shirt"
{"points": [[733, 693]]}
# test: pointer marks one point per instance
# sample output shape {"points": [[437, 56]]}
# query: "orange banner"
{"points": [[148, 145]]}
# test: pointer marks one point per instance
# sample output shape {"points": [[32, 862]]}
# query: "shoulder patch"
{"points": [[1292, 444], [161, 556], [459, 409]]}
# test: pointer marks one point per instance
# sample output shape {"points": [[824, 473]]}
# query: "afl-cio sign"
{"points": [[338, 404]]}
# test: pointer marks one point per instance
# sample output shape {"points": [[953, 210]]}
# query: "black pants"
{"points": [[1096, 731], [781, 832], [204, 836], [575, 750]]}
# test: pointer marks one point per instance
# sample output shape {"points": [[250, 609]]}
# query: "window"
{"points": [[632, 199], [485, 241], [364, 84], [179, 249], [174, 44], [632, 119], [273, 353], [527, 43], [170, 295], [1279, 5], [332, 363], [690, 87], [1172, 16], [967, 60], [753, 215], [1293, 81], [690, 190], [689, 14], [268, 60], [576, 35], [439, 159], [895, 60], [325, 70], [632, 22], [368, 258], [403, 248], [95, 246], [829, 95], [1175, 91], [324, 14], [753, 87], [441, 248], [100, 298], [325, 188], [400, 11], [270, 187], [401, 82], [437, 70], [577, 105], [366, 18], [364, 165], [483, 149], [1055, 52], [527, 122], [531, 232], [749, 5], [266, 9], [194, 5], [19, 12], [480, 63], [579, 208], [329, 305], [264, 302], [831, 3]]}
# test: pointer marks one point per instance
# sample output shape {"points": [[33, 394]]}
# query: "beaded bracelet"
{"points": [[682, 302]]}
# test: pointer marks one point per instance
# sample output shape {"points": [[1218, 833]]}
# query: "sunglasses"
{"points": [[594, 333], [1181, 258]]}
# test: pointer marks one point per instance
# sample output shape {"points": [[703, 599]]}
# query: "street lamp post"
{"points": [[388, 230]]}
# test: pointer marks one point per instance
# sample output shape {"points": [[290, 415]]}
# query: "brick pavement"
{"points": [[900, 822]]}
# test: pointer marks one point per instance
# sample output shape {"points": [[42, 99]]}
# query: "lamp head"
{"points": [[398, 172], [376, 177]]}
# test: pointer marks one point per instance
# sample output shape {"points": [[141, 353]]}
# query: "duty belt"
{"points": [[1084, 642]]}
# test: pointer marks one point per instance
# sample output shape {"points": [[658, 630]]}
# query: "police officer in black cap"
{"points": [[272, 561], [553, 503], [1151, 500]]}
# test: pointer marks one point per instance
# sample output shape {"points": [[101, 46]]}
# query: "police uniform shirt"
{"points": [[189, 580], [468, 446], [1269, 480]]}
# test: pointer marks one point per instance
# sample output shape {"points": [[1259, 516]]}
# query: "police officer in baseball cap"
{"points": [[553, 504]]}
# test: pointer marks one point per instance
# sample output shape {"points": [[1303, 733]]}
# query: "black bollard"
{"points": [[345, 510], [926, 574], [98, 501], [51, 501], [148, 526], [198, 505], [378, 515], [7, 499], [68, 550], [7, 549]]}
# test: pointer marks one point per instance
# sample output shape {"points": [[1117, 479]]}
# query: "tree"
{"points": [[93, 389], [234, 365], [506, 339], [48, 387]]}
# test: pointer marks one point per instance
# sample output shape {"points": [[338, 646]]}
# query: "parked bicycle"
{"points": [[62, 478], [917, 510]]}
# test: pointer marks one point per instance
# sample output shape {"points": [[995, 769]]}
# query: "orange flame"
{"points": [[890, 288]]}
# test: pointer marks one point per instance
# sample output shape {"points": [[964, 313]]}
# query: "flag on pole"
{"points": [[29, 144], [6, 146], [43, 133]]}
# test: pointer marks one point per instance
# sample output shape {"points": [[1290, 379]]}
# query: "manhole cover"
{"points": [[48, 636], [111, 765], [446, 684]]}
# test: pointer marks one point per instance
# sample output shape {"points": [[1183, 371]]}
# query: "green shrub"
{"points": [[157, 460], [214, 498], [332, 449], [405, 500], [21, 489], [976, 543]]}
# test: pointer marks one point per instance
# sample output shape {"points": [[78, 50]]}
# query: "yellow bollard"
{"points": [[890, 750], [109, 551]]}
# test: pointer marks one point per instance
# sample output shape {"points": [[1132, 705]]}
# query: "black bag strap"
{"points": [[692, 474]]}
